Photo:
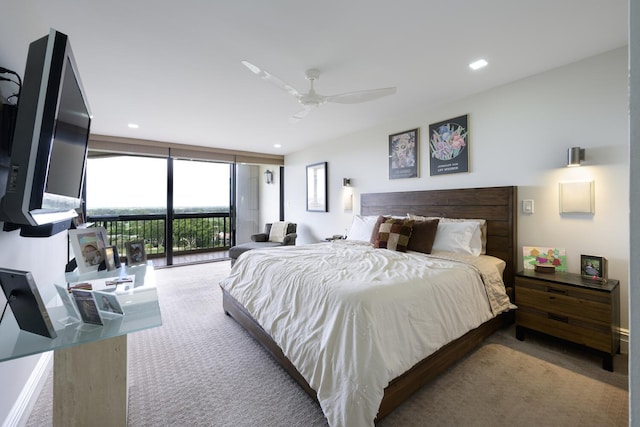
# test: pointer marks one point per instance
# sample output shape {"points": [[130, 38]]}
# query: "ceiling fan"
{"points": [[312, 99]]}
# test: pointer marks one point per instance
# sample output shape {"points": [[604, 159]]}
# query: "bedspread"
{"points": [[351, 318]]}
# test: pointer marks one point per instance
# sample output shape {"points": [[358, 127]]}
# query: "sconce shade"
{"points": [[574, 156], [268, 176]]}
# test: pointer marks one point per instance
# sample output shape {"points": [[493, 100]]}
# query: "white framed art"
{"points": [[87, 245]]}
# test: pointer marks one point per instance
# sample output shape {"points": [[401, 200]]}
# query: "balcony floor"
{"points": [[192, 259]]}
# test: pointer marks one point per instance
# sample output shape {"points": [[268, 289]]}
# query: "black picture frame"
{"points": [[449, 146], [593, 267], [22, 294], [404, 154], [317, 194]]}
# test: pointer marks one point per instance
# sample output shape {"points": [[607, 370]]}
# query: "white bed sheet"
{"points": [[351, 318]]}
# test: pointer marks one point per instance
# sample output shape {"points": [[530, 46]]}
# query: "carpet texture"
{"points": [[201, 369]]}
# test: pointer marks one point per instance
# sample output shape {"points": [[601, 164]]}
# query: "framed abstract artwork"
{"points": [[403, 154]]}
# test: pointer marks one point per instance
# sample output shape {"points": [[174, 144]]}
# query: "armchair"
{"points": [[266, 239]]}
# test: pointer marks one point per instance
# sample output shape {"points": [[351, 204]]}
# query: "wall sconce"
{"points": [[574, 156], [268, 176], [347, 194]]}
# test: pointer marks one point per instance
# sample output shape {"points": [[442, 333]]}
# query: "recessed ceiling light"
{"points": [[478, 64], [277, 145], [133, 126]]}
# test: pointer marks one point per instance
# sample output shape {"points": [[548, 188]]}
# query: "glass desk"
{"points": [[90, 361]]}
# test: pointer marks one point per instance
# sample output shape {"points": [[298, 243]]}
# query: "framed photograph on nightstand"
{"points": [[593, 267]]}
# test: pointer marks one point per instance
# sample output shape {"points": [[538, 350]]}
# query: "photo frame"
{"points": [[87, 306], [593, 267], [23, 297], [108, 302], [404, 154], [87, 245], [317, 187], [136, 253], [110, 258], [449, 146]]}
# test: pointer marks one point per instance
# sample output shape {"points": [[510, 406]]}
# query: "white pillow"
{"points": [[482, 223], [460, 237], [278, 231], [362, 227]]}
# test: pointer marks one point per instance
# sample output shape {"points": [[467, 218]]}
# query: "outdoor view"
{"points": [[128, 196]]}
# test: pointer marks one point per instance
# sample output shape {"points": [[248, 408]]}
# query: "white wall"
{"points": [[269, 196], [46, 259], [634, 268], [519, 135]]}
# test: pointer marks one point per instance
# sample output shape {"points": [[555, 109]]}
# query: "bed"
{"points": [[497, 205]]}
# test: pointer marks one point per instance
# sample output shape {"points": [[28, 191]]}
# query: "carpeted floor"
{"points": [[202, 369]]}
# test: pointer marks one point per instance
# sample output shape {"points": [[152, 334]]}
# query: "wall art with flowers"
{"points": [[449, 146], [403, 154]]}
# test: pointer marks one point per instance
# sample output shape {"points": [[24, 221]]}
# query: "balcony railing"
{"points": [[192, 233]]}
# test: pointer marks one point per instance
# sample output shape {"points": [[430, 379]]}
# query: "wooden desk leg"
{"points": [[90, 384]]}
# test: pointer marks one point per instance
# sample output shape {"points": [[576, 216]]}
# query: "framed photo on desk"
{"points": [[87, 245]]}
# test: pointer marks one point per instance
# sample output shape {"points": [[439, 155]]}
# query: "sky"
{"points": [[128, 182]]}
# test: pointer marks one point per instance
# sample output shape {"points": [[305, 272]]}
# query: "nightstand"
{"points": [[568, 306]]}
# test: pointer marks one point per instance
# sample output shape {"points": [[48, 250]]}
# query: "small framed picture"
{"points": [[87, 245], [86, 303], [110, 257], [593, 267], [136, 253], [108, 302]]}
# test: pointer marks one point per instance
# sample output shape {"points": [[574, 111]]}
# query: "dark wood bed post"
{"points": [[498, 205]]}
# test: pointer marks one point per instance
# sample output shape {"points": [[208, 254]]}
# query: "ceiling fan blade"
{"points": [[265, 75], [301, 114], [360, 96]]}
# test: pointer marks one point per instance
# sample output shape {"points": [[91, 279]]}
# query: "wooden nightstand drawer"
{"points": [[564, 300], [594, 335]]}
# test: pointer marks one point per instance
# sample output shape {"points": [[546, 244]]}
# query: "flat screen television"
{"points": [[49, 146]]}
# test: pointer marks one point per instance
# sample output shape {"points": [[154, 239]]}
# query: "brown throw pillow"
{"points": [[376, 228], [422, 235], [394, 234]]}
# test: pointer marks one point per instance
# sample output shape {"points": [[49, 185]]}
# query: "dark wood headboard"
{"points": [[498, 205]]}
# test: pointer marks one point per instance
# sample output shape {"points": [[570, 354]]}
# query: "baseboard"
{"points": [[22, 408], [624, 341]]}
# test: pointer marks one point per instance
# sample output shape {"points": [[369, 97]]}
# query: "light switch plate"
{"points": [[527, 206]]}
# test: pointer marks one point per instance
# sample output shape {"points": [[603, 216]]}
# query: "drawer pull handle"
{"points": [[562, 319], [556, 291]]}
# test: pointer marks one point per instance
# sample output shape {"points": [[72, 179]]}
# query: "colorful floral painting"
{"points": [[533, 255], [403, 154], [449, 146]]}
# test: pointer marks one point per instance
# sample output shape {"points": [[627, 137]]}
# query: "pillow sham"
{"points": [[482, 224], [394, 234], [458, 237], [362, 227], [423, 235]]}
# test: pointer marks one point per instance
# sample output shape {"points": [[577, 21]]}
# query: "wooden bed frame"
{"points": [[498, 205]]}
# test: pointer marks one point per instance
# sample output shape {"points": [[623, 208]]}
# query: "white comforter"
{"points": [[351, 318]]}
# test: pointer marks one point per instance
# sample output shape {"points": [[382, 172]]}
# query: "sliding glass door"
{"points": [[180, 208]]}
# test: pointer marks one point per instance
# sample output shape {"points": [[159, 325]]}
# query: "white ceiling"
{"points": [[173, 67]]}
